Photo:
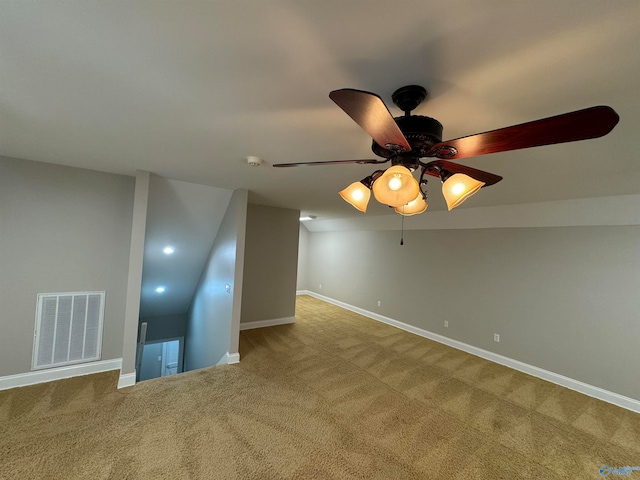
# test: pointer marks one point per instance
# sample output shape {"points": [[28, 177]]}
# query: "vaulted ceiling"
{"points": [[188, 89]]}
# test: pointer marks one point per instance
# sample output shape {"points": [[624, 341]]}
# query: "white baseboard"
{"points": [[267, 323], [127, 380], [59, 373], [590, 390], [229, 358]]}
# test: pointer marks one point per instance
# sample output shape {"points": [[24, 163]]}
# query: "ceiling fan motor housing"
{"points": [[421, 133], [409, 97]]}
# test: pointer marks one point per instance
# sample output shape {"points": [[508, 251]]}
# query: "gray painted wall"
{"points": [[214, 315], [165, 327], [150, 367], [564, 299], [303, 258], [62, 229], [271, 263]]}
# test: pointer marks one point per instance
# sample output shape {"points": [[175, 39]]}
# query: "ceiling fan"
{"points": [[409, 142]]}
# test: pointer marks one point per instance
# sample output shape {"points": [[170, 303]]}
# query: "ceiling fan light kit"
{"points": [[408, 140], [358, 195], [458, 187], [396, 187], [414, 207]]}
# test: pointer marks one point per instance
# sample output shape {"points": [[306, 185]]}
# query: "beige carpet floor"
{"points": [[334, 396]]}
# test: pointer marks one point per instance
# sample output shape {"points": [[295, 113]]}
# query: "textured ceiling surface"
{"points": [[188, 89]]}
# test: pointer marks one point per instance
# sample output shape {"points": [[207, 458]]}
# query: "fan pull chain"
{"points": [[402, 232]]}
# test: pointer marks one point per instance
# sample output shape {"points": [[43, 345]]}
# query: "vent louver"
{"points": [[68, 329]]}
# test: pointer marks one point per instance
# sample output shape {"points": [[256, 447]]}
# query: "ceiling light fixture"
{"points": [[408, 140], [168, 250], [414, 207], [397, 187], [161, 289], [358, 193], [457, 187]]}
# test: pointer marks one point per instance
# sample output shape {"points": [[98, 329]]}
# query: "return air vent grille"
{"points": [[68, 329]]}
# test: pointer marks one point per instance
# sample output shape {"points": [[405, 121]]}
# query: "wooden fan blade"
{"points": [[331, 162], [591, 122], [369, 111], [480, 175]]}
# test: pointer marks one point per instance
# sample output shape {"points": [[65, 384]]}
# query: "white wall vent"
{"points": [[68, 329]]}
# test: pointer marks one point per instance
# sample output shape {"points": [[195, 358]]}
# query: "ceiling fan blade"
{"points": [[330, 162], [433, 168], [369, 111], [591, 122]]}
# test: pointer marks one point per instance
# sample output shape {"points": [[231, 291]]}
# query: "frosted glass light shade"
{"points": [[358, 195], [414, 207], [396, 187], [458, 187]]}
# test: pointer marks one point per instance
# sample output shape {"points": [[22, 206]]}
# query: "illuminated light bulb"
{"points": [[458, 188], [395, 183], [357, 195], [396, 187]]}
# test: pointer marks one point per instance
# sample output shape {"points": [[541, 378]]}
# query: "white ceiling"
{"points": [[188, 89]]}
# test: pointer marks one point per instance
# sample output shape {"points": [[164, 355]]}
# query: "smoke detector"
{"points": [[254, 161]]}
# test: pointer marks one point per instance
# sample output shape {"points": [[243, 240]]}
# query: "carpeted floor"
{"points": [[333, 396]]}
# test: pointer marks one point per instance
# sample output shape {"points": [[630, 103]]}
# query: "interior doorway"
{"points": [[162, 358]]}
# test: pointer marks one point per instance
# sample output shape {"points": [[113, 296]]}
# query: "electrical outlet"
{"points": [[320, 286], [496, 337], [227, 288], [446, 324], [379, 303]]}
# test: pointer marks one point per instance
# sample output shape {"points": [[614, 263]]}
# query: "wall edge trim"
{"points": [[267, 323], [233, 358], [570, 383], [126, 380], [228, 359], [59, 373]]}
